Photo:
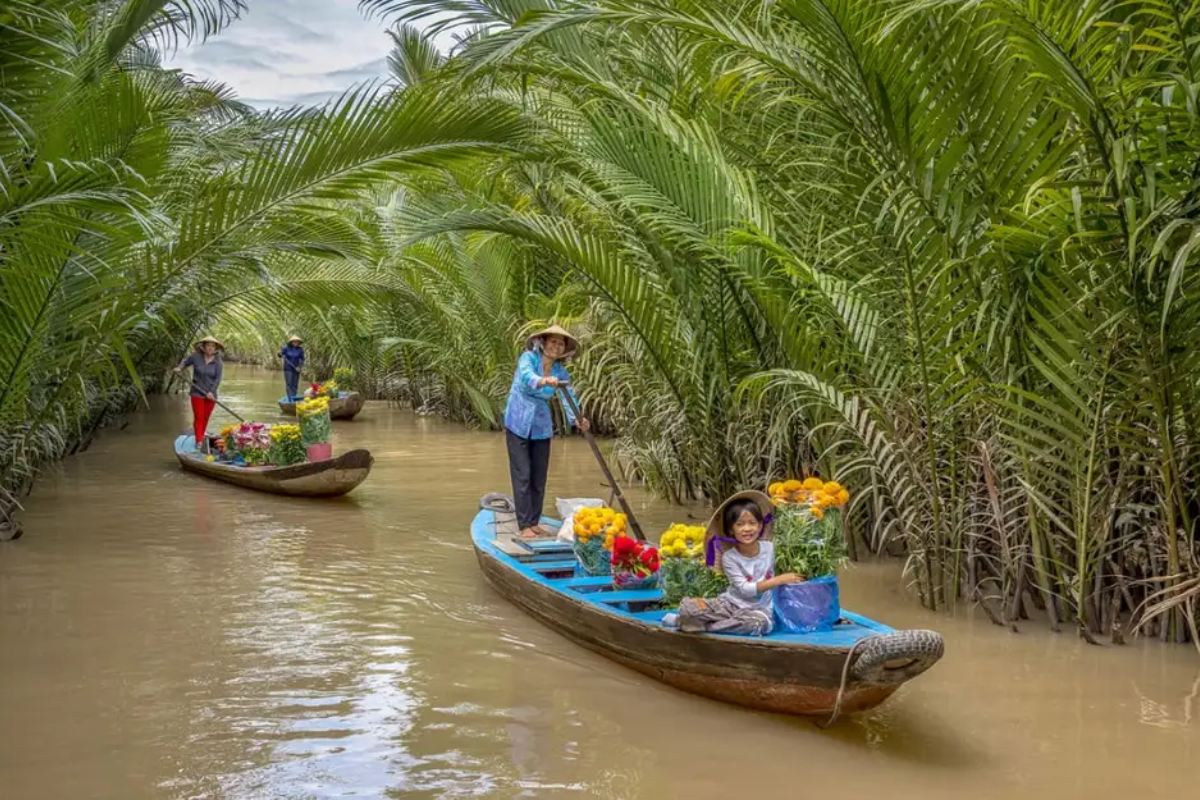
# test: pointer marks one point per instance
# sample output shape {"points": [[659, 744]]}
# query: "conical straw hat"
{"points": [[200, 344], [716, 524], [555, 330]]}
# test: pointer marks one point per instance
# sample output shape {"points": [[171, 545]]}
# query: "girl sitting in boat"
{"points": [[748, 559]]}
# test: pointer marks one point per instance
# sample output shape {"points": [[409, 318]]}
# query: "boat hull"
{"points": [[332, 478], [343, 408], [778, 673]]}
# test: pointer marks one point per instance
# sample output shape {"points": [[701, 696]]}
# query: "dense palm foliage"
{"points": [[942, 248], [135, 204]]}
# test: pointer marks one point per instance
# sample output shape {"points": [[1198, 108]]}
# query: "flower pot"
{"points": [[320, 452]]}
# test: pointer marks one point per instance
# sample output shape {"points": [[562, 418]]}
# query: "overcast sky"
{"points": [[283, 52]]}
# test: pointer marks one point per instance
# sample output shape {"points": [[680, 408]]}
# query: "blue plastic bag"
{"points": [[809, 606]]}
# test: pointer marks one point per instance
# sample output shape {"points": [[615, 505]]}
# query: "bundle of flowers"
{"points": [[315, 424], [808, 542], [815, 494], [252, 441], [684, 573], [808, 526], [329, 389], [634, 564], [287, 448], [595, 529], [343, 376]]}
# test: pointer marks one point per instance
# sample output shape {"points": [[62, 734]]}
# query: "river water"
{"points": [[166, 636]]}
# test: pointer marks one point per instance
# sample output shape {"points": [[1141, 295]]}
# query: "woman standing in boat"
{"points": [[529, 425], [292, 354], [206, 377]]}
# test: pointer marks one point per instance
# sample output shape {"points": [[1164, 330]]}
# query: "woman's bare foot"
{"points": [[542, 530], [529, 533]]}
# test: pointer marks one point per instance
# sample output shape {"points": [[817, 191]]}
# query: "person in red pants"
{"points": [[206, 377]]}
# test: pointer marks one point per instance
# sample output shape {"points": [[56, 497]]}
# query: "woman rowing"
{"points": [[206, 377], [528, 424], [292, 354]]}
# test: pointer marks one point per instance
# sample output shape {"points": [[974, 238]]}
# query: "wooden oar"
{"points": [[633, 523], [218, 402]]}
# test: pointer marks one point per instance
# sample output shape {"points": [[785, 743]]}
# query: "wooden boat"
{"points": [[856, 666], [331, 478], [344, 406]]}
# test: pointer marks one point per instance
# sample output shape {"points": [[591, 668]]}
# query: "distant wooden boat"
{"points": [[331, 478], [860, 659], [345, 406]]}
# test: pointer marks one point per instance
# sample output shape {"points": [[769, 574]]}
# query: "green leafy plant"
{"points": [[808, 545], [344, 378], [287, 445], [689, 577]]}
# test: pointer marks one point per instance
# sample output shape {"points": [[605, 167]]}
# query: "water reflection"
{"points": [[163, 636]]}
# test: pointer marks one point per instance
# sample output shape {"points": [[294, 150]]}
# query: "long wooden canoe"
{"points": [[331, 478], [860, 659], [345, 406]]}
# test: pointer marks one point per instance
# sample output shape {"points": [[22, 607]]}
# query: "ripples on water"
{"points": [[163, 636]]}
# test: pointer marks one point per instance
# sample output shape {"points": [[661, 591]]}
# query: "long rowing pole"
{"points": [[218, 402], [633, 523]]}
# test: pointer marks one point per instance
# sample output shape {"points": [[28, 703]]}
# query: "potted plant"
{"points": [[253, 443], [287, 447], [316, 428], [809, 542], [635, 564], [595, 529], [344, 377], [684, 573]]}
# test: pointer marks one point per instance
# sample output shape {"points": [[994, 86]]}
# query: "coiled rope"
{"points": [[837, 706]]}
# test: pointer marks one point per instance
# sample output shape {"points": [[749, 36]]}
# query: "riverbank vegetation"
{"points": [[942, 250]]}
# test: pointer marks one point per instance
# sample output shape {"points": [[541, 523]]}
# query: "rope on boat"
{"points": [[837, 706]]}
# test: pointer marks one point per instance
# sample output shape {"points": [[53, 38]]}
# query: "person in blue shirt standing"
{"points": [[528, 424], [293, 359]]}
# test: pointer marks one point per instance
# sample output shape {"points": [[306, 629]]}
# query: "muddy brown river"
{"points": [[167, 636]]}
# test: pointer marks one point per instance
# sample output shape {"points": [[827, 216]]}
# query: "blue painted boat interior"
{"points": [[552, 564]]}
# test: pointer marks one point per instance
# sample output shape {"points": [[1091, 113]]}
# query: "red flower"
{"points": [[624, 546]]}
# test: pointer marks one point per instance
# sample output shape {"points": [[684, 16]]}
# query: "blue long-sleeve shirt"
{"points": [[528, 412], [293, 357]]}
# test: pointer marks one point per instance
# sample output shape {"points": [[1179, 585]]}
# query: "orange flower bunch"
{"points": [[813, 492]]}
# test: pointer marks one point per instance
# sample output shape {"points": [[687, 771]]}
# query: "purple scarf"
{"points": [[710, 549]]}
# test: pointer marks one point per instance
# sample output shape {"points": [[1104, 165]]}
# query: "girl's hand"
{"points": [[584, 425], [788, 578], [178, 370], [549, 380], [210, 396]]}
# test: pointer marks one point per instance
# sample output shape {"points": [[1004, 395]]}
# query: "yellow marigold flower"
{"points": [[817, 512], [775, 489], [832, 487], [843, 497], [813, 484], [792, 486]]}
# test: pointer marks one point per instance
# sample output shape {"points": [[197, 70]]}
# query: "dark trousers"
{"points": [[528, 465], [293, 383]]}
